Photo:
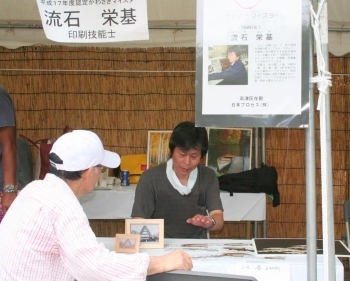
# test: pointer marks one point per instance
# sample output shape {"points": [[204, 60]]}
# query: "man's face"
{"points": [[184, 162], [232, 57], [94, 176]]}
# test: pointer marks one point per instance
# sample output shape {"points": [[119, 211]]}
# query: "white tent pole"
{"points": [[325, 140], [310, 179], [327, 192]]}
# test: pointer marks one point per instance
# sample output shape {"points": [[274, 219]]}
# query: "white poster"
{"points": [[252, 57], [94, 21]]}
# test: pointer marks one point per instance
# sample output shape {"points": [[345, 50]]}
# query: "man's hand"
{"points": [[176, 260], [6, 201], [200, 220]]}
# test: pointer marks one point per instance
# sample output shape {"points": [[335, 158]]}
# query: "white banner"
{"points": [[94, 21], [252, 57]]}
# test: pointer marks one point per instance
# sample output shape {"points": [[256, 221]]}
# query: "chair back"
{"points": [[184, 275]]}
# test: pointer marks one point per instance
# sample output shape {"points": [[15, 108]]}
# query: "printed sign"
{"points": [[252, 57], [94, 21]]}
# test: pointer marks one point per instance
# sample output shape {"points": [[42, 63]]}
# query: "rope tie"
{"points": [[176, 30], [323, 82]]}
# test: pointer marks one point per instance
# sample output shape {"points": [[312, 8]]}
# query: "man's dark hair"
{"points": [[187, 136], [54, 158], [234, 49]]}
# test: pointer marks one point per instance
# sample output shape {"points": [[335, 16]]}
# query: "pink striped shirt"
{"points": [[1, 214], [45, 235]]}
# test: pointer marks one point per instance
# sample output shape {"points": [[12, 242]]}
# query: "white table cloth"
{"points": [[117, 204], [294, 265]]}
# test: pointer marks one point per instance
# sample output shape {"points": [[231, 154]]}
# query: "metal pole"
{"points": [[310, 178], [256, 161]]}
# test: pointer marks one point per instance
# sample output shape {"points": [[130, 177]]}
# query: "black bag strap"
{"points": [[35, 143], [65, 130]]}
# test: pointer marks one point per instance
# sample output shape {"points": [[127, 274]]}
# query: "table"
{"points": [[117, 204], [294, 266]]}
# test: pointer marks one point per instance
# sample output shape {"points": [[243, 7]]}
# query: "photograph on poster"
{"points": [[229, 150], [228, 65], [151, 231], [127, 243], [158, 148]]}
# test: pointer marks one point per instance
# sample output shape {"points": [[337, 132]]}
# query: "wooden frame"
{"points": [[157, 148], [127, 243], [229, 150], [151, 231]]}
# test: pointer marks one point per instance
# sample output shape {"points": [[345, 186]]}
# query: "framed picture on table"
{"points": [[151, 231], [157, 148], [127, 243], [230, 150]]}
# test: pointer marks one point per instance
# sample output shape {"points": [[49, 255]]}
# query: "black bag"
{"points": [[257, 180], [24, 163]]}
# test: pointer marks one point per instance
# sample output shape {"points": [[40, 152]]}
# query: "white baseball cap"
{"points": [[80, 150]]}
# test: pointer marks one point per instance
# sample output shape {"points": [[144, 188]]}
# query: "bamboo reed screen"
{"points": [[122, 93]]}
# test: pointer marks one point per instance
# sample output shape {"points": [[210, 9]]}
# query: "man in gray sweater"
{"points": [[181, 191]]}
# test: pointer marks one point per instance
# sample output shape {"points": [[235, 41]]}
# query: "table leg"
{"points": [[256, 230], [264, 229]]}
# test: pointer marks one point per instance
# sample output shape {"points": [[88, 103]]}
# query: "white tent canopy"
{"points": [[172, 23]]}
